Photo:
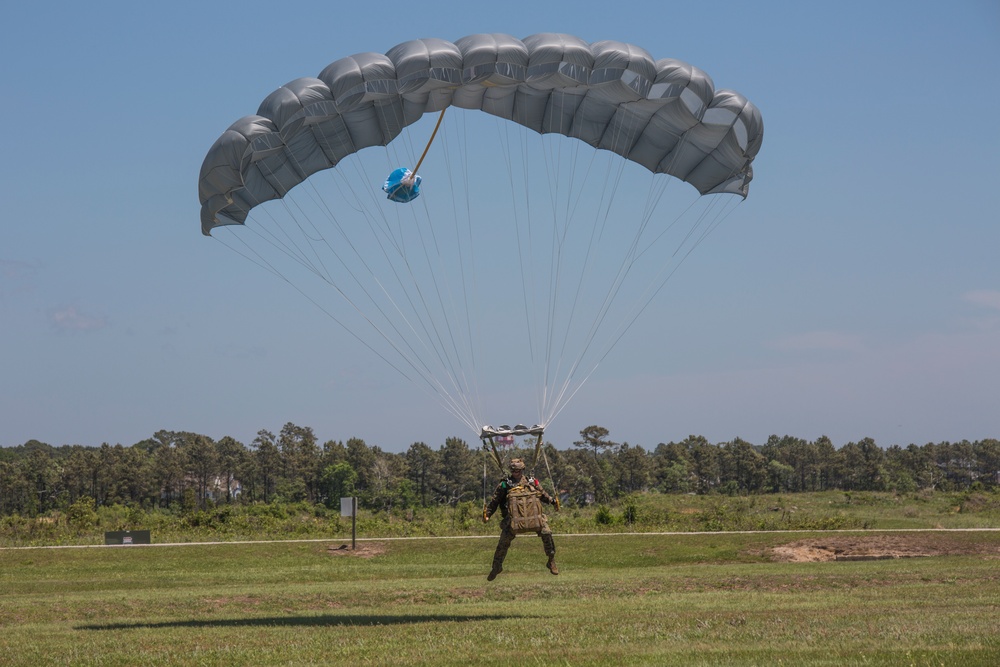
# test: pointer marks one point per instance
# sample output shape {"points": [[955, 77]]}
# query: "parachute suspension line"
{"points": [[473, 304], [552, 481], [312, 239], [559, 232], [250, 254], [560, 396], [411, 287], [411, 358], [454, 354], [553, 169], [626, 131], [453, 363], [361, 285], [553, 155], [271, 269], [652, 200], [552, 152], [287, 245], [438, 330], [656, 288], [450, 312], [531, 280], [291, 247], [537, 281], [523, 242], [558, 240], [551, 369], [623, 328], [601, 213], [597, 230], [467, 270], [563, 214]]}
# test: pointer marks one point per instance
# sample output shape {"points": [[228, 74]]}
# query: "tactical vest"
{"points": [[524, 507]]}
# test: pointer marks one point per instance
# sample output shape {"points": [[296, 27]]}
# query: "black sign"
{"points": [[126, 537]]}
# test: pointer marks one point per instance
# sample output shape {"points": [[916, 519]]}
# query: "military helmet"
{"points": [[516, 464]]}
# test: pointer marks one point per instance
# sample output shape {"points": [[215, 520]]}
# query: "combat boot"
{"points": [[506, 537], [550, 551]]}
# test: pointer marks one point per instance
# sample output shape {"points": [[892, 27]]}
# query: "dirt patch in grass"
{"points": [[879, 547], [363, 550], [244, 602]]}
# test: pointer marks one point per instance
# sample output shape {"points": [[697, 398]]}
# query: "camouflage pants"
{"points": [[507, 536]]}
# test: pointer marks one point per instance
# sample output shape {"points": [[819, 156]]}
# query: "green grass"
{"points": [[652, 512], [623, 600]]}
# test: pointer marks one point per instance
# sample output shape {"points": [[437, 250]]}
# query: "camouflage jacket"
{"points": [[500, 495]]}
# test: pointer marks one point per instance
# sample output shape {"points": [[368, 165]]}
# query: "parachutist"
{"points": [[520, 499]]}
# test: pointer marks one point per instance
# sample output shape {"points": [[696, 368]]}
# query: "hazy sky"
{"points": [[855, 293]]}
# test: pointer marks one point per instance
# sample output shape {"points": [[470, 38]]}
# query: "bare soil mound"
{"points": [[363, 550], [879, 547]]}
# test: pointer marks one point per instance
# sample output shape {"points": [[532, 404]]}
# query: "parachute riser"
{"points": [[493, 454], [489, 435]]}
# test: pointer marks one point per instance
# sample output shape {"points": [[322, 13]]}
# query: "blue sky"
{"points": [[855, 293]]}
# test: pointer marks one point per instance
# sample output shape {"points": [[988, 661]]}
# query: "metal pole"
{"points": [[354, 523]]}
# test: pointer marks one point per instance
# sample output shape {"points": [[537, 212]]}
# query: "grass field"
{"points": [[654, 599]]}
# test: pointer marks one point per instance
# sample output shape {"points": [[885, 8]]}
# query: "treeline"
{"points": [[189, 470]]}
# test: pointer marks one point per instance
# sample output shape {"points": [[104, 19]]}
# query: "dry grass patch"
{"points": [[363, 550], [880, 547]]}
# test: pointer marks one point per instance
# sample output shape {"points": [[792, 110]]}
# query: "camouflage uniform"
{"points": [[507, 534]]}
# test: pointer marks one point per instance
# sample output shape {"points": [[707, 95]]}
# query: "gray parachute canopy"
{"points": [[665, 115]]}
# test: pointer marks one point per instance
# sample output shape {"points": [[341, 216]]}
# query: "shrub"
{"points": [[603, 516], [630, 511], [81, 515]]}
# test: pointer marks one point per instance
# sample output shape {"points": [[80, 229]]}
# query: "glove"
{"points": [[556, 503], [486, 517]]}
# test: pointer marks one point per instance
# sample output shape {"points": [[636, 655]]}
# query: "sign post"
{"points": [[126, 537], [349, 507]]}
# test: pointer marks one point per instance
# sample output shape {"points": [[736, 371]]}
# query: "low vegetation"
{"points": [[82, 524]]}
